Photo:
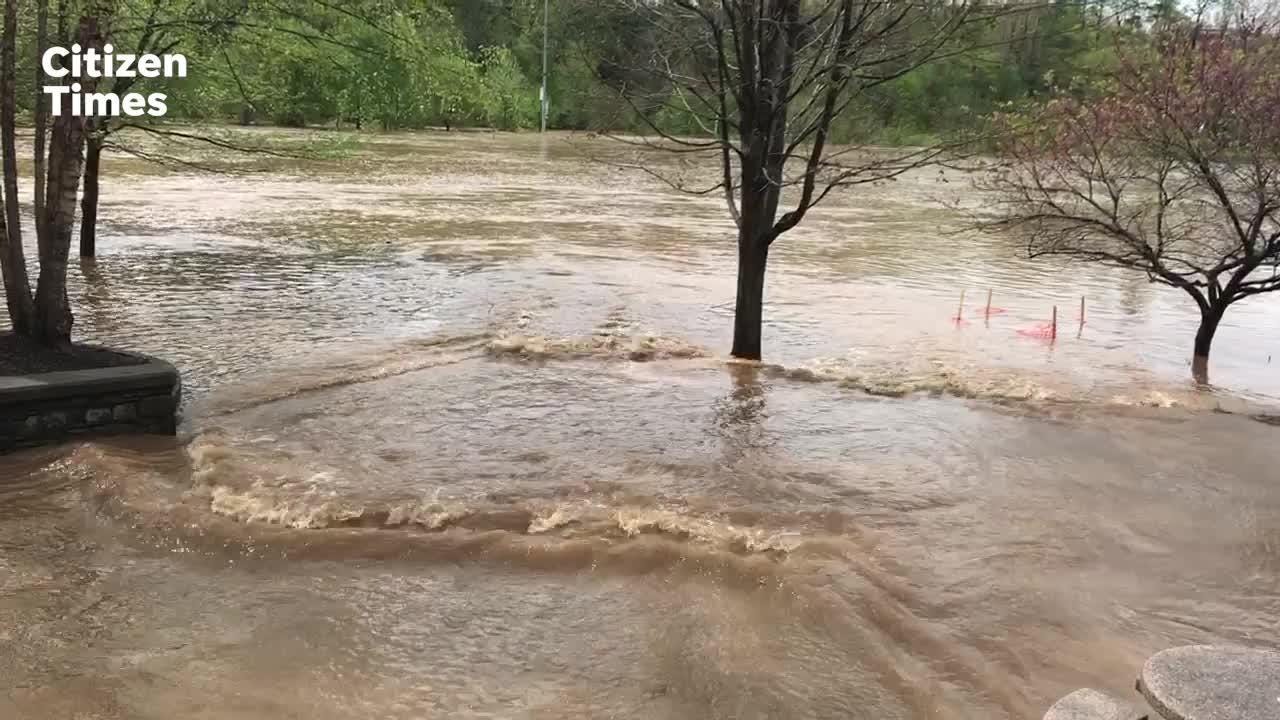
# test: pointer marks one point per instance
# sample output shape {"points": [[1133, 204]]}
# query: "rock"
{"points": [[97, 416], [1087, 704], [1213, 682]]}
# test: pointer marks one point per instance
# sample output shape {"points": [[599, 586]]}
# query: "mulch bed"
{"points": [[19, 356]]}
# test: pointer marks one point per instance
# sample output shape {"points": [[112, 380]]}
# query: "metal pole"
{"points": [[543, 98]]}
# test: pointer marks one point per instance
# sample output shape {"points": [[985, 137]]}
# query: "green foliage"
{"points": [[1047, 50], [369, 63], [388, 64], [506, 99]]}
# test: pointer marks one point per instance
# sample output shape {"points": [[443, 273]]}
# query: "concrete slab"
{"points": [[18, 389], [1213, 682], [1088, 704]]}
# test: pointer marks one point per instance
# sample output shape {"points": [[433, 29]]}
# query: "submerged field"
{"points": [[462, 441]]}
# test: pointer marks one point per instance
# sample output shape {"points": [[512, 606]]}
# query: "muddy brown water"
{"points": [[461, 441]]}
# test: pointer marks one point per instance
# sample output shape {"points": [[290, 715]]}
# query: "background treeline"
{"points": [[403, 64]]}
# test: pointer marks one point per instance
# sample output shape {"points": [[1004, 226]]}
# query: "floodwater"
{"points": [[461, 441]]}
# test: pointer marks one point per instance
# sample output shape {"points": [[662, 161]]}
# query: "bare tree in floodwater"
{"points": [[157, 27], [759, 83], [152, 40], [1173, 172]]}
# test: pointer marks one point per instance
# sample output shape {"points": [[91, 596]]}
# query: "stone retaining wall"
{"points": [[50, 408]]}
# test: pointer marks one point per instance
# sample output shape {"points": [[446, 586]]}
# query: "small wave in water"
{"points": [[136, 490], [914, 376], [565, 521], [368, 364], [637, 348], [1000, 385], [344, 368], [258, 492]]}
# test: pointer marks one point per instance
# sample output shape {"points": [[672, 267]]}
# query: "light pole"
{"points": [[544, 100]]}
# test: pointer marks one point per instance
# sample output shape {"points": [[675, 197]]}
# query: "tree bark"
{"points": [[1209, 319], [66, 161], [769, 62], [13, 262], [89, 203], [748, 314], [758, 205], [41, 114]]}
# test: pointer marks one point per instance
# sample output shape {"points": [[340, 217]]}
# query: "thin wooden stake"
{"points": [[988, 303], [1053, 325], [1081, 311], [960, 310]]}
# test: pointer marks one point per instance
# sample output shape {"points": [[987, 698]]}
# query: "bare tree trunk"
{"points": [[62, 19], [13, 262], [66, 161], [41, 120], [762, 128], [1209, 320], [748, 312], [771, 77], [755, 225], [89, 203], [17, 288], [247, 112]]}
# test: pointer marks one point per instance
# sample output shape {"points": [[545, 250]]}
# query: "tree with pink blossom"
{"points": [[1171, 169]]}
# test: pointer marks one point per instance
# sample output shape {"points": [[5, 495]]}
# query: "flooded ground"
{"points": [[461, 441]]}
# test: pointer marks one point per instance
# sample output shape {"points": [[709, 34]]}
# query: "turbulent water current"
{"points": [[461, 440]]}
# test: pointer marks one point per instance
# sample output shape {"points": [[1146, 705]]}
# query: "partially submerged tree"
{"points": [[758, 84], [208, 28], [47, 317], [1173, 171], [156, 28], [13, 262]]}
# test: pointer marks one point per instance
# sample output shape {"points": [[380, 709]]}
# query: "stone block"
{"points": [[1088, 704], [31, 426], [1213, 682], [155, 406], [125, 412], [97, 416], [163, 425]]}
